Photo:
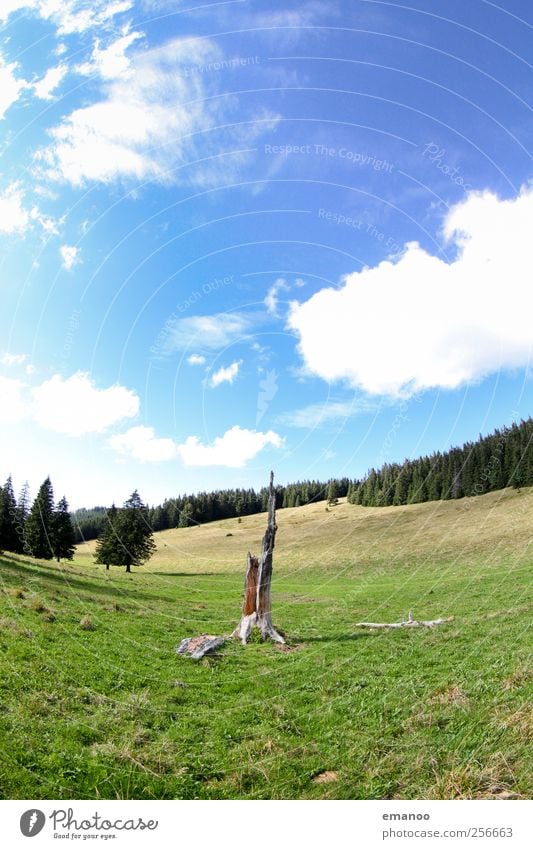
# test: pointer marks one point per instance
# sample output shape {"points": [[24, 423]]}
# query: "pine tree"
{"points": [[131, 542], [186, 515], [332, 495], [9, 538], [63, 537], [38, 529], [108, 548], [23, 511]]}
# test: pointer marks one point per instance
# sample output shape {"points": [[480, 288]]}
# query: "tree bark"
{"points": [[257, 604]]}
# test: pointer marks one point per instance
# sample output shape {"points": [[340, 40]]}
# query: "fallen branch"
{"points": [[406, 623]]}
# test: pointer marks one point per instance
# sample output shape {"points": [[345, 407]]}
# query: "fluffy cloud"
{"points": [[73, 406], [142, 444], [139, 129], [111, 62], [14, 217], [70, 256], [209, 332], [196, 360], [225, 375], [10, 86], [45, 87], [271, 298], [152, 114], [233, 450], [419, 322], [69, 16], [13, 404]]}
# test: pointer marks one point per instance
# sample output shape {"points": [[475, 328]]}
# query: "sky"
{"points": [[245, 235]]}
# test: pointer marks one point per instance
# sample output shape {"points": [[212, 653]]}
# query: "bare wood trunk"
{"points": [[257, 604]]}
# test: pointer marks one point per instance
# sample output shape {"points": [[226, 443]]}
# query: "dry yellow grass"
{"points": [[498, 524]]}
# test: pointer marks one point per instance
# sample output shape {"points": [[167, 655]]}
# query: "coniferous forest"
{"points": [[504, 458]]}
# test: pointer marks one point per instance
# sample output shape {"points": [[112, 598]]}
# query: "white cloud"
{"points": [[233, 450], [196, 360], [14, 217], [69, 16], [13, 405], [271, 299], [12, 359], [111, 62], [46, 86], [209, 332], [225, 374], [325, 412], [139, 129], [10, 86], [418, 322], [70, 256], [75, 406], [49, 225], [151, 118], [140, 443]]}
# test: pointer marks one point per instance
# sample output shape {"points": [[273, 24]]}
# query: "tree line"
{"points": [[202, 507], [504, 458]]}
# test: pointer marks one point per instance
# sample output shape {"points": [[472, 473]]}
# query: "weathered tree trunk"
{"points": [[257, 604]]}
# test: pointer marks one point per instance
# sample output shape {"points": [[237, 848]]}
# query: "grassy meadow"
{"points": [[95, 703]]}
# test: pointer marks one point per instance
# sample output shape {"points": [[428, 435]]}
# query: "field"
{"points": [[95, 703]]}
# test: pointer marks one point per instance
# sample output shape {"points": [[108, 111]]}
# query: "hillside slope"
{"points": [[96, 703], [499, 524]]}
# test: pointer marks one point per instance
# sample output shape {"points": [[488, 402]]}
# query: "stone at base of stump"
{"points": [[196, 647]]}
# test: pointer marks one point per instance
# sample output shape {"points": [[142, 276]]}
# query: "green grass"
{"points": [[109, 710]]}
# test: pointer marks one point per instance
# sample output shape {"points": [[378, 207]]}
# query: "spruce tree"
{"points": [[38, 529], [9, 538], [332, 494], [23, 511], [63, 537], [108, 548], [129, 542]]}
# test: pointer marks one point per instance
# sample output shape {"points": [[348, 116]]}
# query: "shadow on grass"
{"points": [[25, 570], [331, 638], [191, 574]]}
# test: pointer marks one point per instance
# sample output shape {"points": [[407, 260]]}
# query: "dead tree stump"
{"points": [[257, 604]]}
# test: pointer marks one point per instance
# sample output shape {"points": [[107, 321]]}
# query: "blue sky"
{"points": [[244, 235]]}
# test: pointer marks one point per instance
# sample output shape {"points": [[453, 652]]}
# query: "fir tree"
{"points": [[38, 529], [130, 539], [108, 548], [333, 493], [9, 538], [63, 537], [23, 511]]}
